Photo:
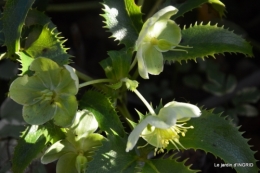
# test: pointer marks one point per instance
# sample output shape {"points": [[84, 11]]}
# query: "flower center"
{"points": [[160, 138], [48, 95]]}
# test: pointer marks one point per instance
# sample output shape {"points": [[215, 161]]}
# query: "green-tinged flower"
{"points": [[77, 149], [158, 34], [159, 130], [48, 94]]}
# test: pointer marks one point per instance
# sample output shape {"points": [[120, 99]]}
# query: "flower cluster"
{"points": [[48, 94], [77, 149]]}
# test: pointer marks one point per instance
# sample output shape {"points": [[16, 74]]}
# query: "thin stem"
{"points": [[83, 76], [94, 82], [133, 64], [149, 107]]}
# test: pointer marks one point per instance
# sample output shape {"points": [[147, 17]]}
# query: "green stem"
{"points": [[149, 107], [133, 64], [94, 82], [83, 76]]}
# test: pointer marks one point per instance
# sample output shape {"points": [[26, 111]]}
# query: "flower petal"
{"points": [[26, 90], [73, 75], [141, 64], [153, 59], [67, 163], [134, 135], [178, 110], [39, 113], [91, 142], [58, 149], [66, 110], [164, 13]]}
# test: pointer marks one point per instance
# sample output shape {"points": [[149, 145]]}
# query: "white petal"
{"points": [[135, 134], [183, 110], [141, 64]]}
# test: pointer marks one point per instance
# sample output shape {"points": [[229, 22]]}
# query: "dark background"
{"points": [[88, 42]]}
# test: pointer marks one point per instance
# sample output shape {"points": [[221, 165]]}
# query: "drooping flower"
{"points": [[48, 94], [76, 150], [164, 128], [158, 34]]}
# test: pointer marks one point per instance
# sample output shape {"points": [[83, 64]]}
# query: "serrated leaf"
{"points": [[165, 165], [52, 132], [49, 45], [111, 157], [29, 146], [13, 19], [123, 18], [35, 17], [117, 65], [218, 136], [25, 61], [208, 40], [189, 5], [103, 110]]}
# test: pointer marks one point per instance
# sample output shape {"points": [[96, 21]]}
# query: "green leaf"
{"points": [[111, 157], [207, 40], [123, 18], [189, 5], [52, 132], [29, 146], [13, 19], [117, 65], [218, 136], [25, 61], [103, 110], [35, 17], [49, 45], [165, 165]]}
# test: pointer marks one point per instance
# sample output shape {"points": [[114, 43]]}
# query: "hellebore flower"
{"points": [[77, 149], [158, 34], [159, 130], [48, 94]]}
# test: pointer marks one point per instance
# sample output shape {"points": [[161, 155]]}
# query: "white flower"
{"points": [[158, 34], [159, 130]]}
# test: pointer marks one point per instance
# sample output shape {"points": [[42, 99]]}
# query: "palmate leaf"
{"points": [[103, 110], [48, 44], [112, 157], [13, 19], [123, 18], [189, 5], [218, 136], [207, 40]]}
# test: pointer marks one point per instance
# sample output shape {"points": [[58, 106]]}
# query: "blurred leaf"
{"points": [[10, 110], [246, 110], [8, 69], [6, 167], [246, 95], [207, 40], [10, 130]]}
